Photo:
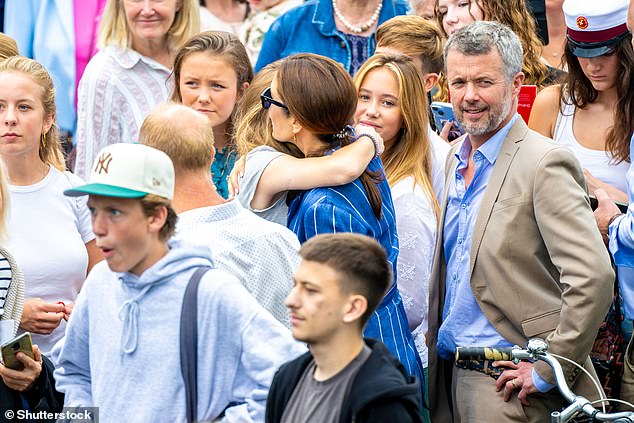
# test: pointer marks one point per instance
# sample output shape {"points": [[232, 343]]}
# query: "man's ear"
{"points": [[355, 308], [429, 80], [518, 80]]}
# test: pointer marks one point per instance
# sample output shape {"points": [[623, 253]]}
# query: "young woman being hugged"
{"points": [[390, 96], [314, 102]]}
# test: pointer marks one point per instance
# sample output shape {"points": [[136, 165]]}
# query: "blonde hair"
{"points": [[253, 127], [515, 15], [410, 155], [416, 36], [114, 29], [50, 150], [8, 47], [169, 128]]}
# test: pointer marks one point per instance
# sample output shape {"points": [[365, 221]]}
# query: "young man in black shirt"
{"points": [[344, 377]]}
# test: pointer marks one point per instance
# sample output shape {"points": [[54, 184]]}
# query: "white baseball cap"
{"points": [[129, 171], [595, 28]]}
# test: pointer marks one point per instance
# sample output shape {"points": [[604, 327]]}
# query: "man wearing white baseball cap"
{"points": [[122, 351]]}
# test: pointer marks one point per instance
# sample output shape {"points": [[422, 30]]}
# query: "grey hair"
{"points": [[480, 37]]}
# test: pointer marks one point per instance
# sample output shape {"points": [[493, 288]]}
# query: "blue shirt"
{"points": [[346, 208], [622, 244], [463, 323], [221, 168], [311, 28]]}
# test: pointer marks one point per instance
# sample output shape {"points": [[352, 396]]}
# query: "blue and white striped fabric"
{"points": [[346, 208]]}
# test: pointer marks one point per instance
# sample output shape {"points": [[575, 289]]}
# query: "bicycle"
{"points": [[536, 349]]}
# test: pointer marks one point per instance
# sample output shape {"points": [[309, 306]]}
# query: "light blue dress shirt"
{"points": [[622, 245], [463, 323]]}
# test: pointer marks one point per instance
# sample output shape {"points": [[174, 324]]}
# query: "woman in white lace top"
{"points": [[392, 99]]}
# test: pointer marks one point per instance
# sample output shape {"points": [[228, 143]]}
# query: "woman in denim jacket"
{"points": [[340, 29]]}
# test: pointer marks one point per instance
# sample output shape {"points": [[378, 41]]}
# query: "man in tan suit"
{"points": [[519, 255]]}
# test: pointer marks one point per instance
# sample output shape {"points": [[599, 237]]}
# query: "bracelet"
{"points": [[374, 141], [613, 218]]}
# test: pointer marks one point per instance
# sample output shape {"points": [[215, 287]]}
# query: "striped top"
{"points": [[5, 280], [346, 208], [118, 89]]}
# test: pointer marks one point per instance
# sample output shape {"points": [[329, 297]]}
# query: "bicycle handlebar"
{"points": [[537, 350], [484, 353]]}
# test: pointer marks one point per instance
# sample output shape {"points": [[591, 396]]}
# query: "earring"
{"points": [[43, 139], [294, 138]]}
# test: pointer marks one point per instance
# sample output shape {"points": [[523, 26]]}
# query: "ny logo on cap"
{"points": [[103, 163], [582, 22]]}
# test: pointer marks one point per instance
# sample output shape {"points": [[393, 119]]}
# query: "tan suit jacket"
{"points": [[538, 264]]}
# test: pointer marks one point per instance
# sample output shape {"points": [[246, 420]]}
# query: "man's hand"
{"points": [[605, 211], [518, 376], [23, 380], [41, 317]]}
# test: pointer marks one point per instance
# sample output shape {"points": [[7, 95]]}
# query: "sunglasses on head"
{"points": [[267, 100]]}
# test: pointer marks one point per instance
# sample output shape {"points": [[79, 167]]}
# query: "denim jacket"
{"points": [[311, 28]]}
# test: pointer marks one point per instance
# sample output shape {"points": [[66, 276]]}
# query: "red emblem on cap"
{"points": [[582, 22]]}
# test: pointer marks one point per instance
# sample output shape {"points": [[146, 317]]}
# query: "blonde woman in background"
{"points": [[50, 235], [390, 95], [129, 76], [423, 43]]}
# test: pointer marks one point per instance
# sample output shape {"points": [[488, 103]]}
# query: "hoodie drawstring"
{"points": [[129, 314]]}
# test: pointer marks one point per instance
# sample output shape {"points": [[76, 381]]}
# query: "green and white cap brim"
{"points": [[129, 171], [105, 190]]}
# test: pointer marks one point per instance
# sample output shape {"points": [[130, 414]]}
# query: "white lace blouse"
{"points": [[416, 224]]}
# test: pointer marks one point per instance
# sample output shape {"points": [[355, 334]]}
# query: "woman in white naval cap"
{"points": [[592, 111]]}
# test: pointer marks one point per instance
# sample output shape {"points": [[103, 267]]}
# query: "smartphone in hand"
{"points": [[443, 112], [10, 349]]}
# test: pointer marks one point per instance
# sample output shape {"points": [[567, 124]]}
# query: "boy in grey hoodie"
{"points": [[121, 352]]}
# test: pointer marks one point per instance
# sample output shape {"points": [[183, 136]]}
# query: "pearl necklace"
{"points": [[363, 27]]}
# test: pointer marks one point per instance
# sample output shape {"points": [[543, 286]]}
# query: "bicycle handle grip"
{"points": [[484, 353]]}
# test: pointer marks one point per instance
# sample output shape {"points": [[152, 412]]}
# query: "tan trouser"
{"points": [[476, 401], [627, 384]]}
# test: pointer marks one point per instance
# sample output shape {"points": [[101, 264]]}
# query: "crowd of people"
{"points": [[246, 211]]}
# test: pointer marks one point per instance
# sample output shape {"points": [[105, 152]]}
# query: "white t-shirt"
{"points": [[47, 233], [439, 150], [416, 225]]}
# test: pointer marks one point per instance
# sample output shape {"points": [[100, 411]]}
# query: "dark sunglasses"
{"points": [[267, 100]]}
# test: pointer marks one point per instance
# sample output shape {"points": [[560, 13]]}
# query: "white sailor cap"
{"points": [[595, 28]]}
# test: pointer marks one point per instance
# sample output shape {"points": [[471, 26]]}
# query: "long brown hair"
{"points": [[410, 154], [515, 15], [253, 126], [578, 90], [321, 96]]}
